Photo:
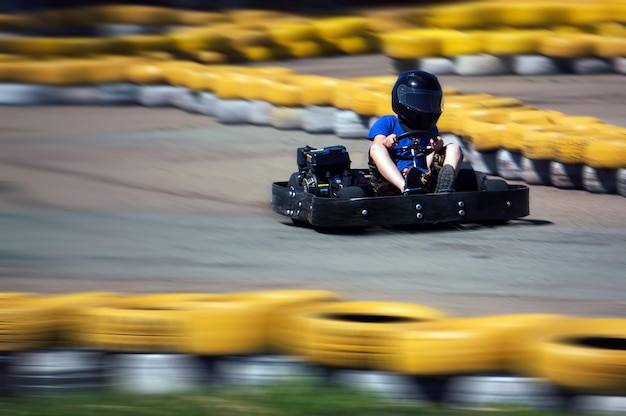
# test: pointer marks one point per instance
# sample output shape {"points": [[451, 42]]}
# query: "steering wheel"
{"points": [[416, 150]]}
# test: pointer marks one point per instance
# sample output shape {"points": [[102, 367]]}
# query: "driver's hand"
{"points": [[437, 144], [390, 141]]}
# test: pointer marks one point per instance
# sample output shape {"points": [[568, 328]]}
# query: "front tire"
{"points": [[348, 192]]}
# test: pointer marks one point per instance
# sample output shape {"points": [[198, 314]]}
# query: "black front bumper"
{"points": [[453, 207]]}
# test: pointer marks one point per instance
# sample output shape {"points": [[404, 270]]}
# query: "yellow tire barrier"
{"points": [[67, 71], [513, 42], [332, 28], [465, 115], [610, 47], [283, 303], [587, 356], [456, 106], [456, 16], [359, 97], [309, 48], [145, 74], [486, 128], [11, 57], [178, 72], [241, 37], [530, 14], [380, 83], [572, 148], [146, 317], [111, 69], [449, 346], [17, 296], [135, 44], [291, 31], [212, 325], [583, 14], [410, 44], [199, 39], [517, 333], [354, 45], [209, 57], [617, 11], [349, 334], [62, 72], [26, 324], [159, 300], [64, 308], [610, 29], [134, 14], [156, 55], [316, 89], [606, 154], [283, 94], [542, 142], [464, 345], [256, 18], [385, 21], [198, 18], [537, 145], [491, 127], [484, 136], [526, 119], [457, 42], [258, 53], [567, 45], [258, 91], [229, 85], [50, 46], [366, 102], [209, 77]]}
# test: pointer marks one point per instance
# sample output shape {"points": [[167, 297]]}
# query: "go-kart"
{"points": [[326, 192]]}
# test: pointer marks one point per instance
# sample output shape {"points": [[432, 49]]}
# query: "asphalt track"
{"points": [[151, 200]]}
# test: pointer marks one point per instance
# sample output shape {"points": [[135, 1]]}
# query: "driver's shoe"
{"points": [[445, 181], [412, 182]]}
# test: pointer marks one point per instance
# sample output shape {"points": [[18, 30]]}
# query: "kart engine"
{"points": [[324, 171]]}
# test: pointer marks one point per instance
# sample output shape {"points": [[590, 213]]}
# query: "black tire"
{"points": [[299, 223], [350, 192], [467, 179], [492, 185]]}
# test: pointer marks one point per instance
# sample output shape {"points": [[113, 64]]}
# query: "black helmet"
{"points": [[417, 99]]}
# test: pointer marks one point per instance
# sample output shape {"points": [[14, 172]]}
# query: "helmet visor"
{"points": [[426, 101]]}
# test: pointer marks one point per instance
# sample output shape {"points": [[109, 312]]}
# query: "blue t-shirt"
{"points": [[390, 124]]}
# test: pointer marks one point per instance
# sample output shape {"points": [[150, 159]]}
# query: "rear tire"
{"points": [[299, 223], [466, 179], [492, 185], [348, 192]]}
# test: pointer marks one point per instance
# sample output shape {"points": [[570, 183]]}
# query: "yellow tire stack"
{"points": [[586, 356], [26, 323], [347, 334], [189, 323], [298, 37], [347, 34]]}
